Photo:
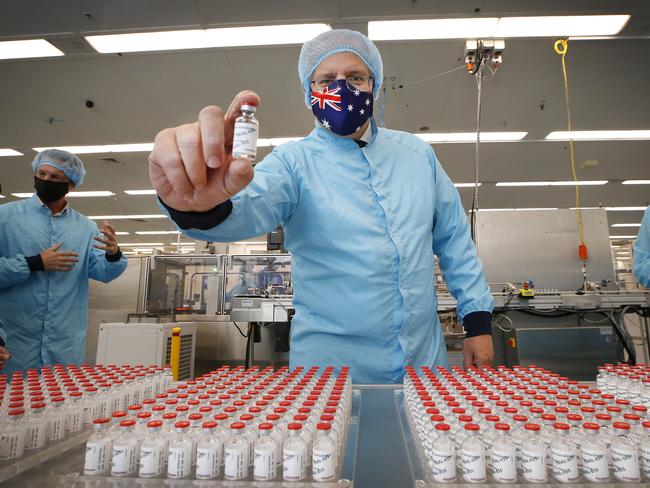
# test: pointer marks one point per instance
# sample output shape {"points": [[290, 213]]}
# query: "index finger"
{"points": [[234, 111], [109, 226], [67, 253], [211, 128]]}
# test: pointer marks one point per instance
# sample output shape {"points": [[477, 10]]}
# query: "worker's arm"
{"points": [[641, 267], [5, 355], [106, 261], [266, 202], [16, 270], [462, 269]]}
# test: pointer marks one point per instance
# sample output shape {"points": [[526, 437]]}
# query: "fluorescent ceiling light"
{"points": [[395, 30], [140, 192], [139, 244], [636, 182], [470, 137], [465, 185], [30, 48], [561, 25], [473, 28], [276, 141], [517, 209], [122, 233], [108, 148], [262, 35], [124, 217], [612, 209], [599, 135], [2, 196], [551, 183], [74, 194], [156, 232], [9, 152], [622, 237], [626, 225]]}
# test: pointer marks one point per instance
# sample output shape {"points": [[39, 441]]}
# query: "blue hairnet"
{"points": [[314, 51], [67, 162]]}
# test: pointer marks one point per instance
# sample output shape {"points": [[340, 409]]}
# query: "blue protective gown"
{"points": [[362, 226], [641, 265], [45, 314]]}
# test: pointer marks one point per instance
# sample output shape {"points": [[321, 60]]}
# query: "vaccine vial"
{"points": [[324, 454], [442, 456], [98, 449], [502, 456], [293, 455], [625, 456], [152, 451], [533, 456], [265, 448], [208, 453], [125, 451], [179, 464], [564, 456], [36, 432], [236, 452], [593, 453], [472, 456], [247, 128]]}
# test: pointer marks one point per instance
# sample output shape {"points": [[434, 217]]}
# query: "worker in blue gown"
{"points": [[48, 251], [641, 266], [364, 210]]}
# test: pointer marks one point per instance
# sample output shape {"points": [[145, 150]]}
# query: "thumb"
{"points": [[239, 174], [468, 356], [55, 247]]}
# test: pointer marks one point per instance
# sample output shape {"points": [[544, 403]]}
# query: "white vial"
{"points": [[265, 467], [247, 128], [56, 418], [209, 450], [472, 456], [644, 450], [625, 456], [593, 453], [564, 455], [125, 451], [503, 456], [36, 428], [442, 458], [324, 454], [179, 462], [98, 450], [533, 456], [294, 452], [12, 436], [74, 415], [152, 451], [236, 451]]}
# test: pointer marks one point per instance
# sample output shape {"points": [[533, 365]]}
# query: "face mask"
{"points": [[50, 191], [341, 110]]}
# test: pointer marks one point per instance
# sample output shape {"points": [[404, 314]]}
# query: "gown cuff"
{"points": [[35, 263], [112, 258], [200, 220], [477, 323]]}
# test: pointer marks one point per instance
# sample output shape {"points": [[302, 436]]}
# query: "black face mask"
{"points": [[50, 191]]}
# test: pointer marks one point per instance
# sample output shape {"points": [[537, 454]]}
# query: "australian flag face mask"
{"points": [[341, 109]]}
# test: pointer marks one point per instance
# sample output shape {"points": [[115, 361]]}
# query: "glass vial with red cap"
{"points": [[179, 463], [247, 128], [98, 450], [472, 456], [324, 454], [236, 452], [125, 451], [294, 452], [442, 455], [152, 451], [265, 467]]}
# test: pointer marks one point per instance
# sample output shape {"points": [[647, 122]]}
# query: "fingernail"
{"points": [[213, 162]]}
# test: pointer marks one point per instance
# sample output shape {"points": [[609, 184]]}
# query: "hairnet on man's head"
{"points": [[67, 162], [335, 41]]}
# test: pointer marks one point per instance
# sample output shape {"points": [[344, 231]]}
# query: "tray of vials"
{"points": [[230, 427], [525, 425]]}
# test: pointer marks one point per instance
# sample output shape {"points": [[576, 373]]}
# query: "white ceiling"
{"points": [[136, 95]]}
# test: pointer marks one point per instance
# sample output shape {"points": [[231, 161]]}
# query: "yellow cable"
{"points": [[561, 47]]}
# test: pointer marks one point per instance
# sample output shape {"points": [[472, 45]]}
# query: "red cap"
{"points": [[294, 426], [561, 426], [154, 424], [127, 423], [238, 425], [209, 424], [591, 426], [443, 427], [182, 424], [534, 427], [101, 421], [324, 426], [472, 427], [265, 426], [622, 425]]}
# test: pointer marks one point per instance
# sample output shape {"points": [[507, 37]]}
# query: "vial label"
{"points": [[74, 421], [625, 464], [235, 463], [179, 463], [533, 465], [564, 465], [293, 464], [207, 462], [152, 461], [323, 465], [57, 428], [504, 469], [124, 460], [472, 466], [443, 465], [644, 451], [244, 143], [595, 466], [97, 457], [264, 465], [12, 445], [35, 436]]}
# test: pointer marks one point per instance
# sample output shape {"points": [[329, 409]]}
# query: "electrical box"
{"points": [[141, 343]]}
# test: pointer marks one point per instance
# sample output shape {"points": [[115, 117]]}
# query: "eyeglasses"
{"points": [[355, 82]]}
